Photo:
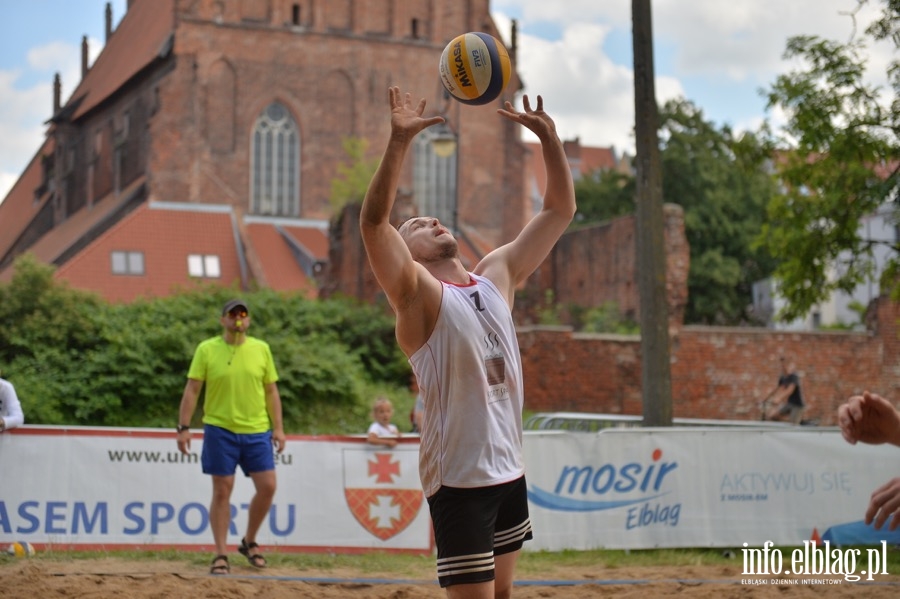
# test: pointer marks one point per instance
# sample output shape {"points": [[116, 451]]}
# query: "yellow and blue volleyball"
{"points": [[20, 549], [475, 68]]}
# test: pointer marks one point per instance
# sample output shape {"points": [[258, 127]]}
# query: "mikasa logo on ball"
{"points": [[461, 74], [475, 68]]}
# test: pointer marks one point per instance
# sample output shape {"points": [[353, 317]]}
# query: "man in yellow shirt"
{"points": [[241, 422]]}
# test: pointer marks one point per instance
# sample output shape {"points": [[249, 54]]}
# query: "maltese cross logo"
{"points": [[381, 497]]}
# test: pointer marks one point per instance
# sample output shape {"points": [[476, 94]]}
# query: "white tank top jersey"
{"points": [[470, 377]]}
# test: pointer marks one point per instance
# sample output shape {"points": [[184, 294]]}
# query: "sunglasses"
{"points": [[237, 313]]}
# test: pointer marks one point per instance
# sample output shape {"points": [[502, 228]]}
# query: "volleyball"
{"points": [[475, 68], [20, 549]]}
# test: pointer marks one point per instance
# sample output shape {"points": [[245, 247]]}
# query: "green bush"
{"points": [[78, 360]]}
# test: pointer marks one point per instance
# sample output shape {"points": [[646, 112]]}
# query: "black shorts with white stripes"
{"points": [[471, 526]]}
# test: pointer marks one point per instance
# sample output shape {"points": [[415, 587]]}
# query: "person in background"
{"points": [[417, 414], [242, 420], [787, 396], [456, 329], [11, 414], [870, 418], [382, 431]]}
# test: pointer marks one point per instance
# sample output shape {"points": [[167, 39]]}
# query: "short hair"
{"points": [[381, 400]]}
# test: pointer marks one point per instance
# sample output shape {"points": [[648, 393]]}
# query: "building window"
{"points": [[275, 168], [204, 266], [98, 144], [434, 176], [127, 263]]}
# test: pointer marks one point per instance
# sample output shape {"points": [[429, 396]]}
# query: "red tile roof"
{"points": [[52, 245], [142, 36], [166, 234], [19, 207], [272, 246], [582, 160]]}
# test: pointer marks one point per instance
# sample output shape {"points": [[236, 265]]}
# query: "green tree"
{"points": [[721, 181], [78, 360], [838, 165], [353, 176], [603, 195]]}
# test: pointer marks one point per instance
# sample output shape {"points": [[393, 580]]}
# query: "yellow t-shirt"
{"points": [[235, 378]]}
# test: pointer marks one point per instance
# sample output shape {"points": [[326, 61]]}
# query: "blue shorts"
{"points": [[471, 526], [223, 451]]}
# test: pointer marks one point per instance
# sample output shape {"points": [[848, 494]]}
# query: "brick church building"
{"points": [[201, 145]]}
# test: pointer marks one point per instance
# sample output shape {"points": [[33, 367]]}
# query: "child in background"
{"points": [[382, 432]]}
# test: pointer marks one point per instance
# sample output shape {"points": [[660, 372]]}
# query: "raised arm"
{"points": [[509, 265], [391, 261]]}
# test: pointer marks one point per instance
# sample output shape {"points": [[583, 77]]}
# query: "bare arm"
{"points": [[186, 412], [401, 278], [374, 439], [273, 407], [14, 417], [509, 265]]}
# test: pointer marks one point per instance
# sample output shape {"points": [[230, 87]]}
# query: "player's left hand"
{"points": [[537, 121]]}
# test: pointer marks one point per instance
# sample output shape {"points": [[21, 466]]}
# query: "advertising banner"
{"points": [[616, 489], [102, 487], [685, 487]]}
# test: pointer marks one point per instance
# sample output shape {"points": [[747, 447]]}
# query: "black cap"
{"points": [[232, 304]]}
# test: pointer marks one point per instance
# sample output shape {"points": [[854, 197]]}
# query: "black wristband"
{"points": [[182, 427]]}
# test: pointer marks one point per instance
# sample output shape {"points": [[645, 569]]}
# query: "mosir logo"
{"points": [[634, 485], [382, 498]]}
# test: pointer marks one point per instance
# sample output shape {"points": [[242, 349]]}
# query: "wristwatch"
{"points": [[182, 427]]}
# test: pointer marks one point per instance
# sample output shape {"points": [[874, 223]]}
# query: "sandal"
{"points": [[220, 568], [251, 552]]}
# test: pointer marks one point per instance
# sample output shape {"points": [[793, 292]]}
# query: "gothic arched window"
{"points": [[275, 164]]}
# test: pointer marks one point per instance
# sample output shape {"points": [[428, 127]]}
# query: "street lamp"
{"points": [[443, 140]]}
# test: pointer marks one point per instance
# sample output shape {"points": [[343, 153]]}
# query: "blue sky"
{"points": [[575, 53]]}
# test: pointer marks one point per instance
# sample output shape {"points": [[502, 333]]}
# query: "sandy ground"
{"points": [[27, 578]]}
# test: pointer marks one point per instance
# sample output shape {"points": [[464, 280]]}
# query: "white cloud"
{"points": [[26, 107], [584, 91], [20, 125], [712, 44]]}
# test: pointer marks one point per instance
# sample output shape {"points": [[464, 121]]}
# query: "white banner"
{"points": [[93, 487], [683, 487], [634, 488]]}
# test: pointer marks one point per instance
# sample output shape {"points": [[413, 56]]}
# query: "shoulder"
{"points": [[255, 341], [211, 342]]}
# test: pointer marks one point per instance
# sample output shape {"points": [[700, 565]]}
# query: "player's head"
{"points": [[427, 239]]}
